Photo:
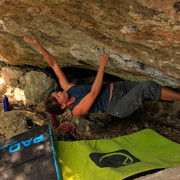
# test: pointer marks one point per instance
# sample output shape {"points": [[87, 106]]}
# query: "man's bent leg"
{"points": [[132, 100]]}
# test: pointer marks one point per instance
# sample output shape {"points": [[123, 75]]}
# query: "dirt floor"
{"points": [[119, 127]]}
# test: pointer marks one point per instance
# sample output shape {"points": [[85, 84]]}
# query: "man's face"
{"points": [[61, 97]]}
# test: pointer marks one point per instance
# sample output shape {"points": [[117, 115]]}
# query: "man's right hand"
{"points": [[104, 59], [32, 41]]}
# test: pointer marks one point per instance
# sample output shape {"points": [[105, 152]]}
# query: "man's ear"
{"points": [[63, 106]]}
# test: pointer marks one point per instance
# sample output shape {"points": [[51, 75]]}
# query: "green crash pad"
{"points": [[117, 158]]}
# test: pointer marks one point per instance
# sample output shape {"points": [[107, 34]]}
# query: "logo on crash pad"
{"points": [[113, 159]]}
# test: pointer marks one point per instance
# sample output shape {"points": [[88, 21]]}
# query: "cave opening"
{"points": [[81, 76]]}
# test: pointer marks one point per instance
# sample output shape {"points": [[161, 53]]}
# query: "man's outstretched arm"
{"points": [[85, 104], [52, 63]]}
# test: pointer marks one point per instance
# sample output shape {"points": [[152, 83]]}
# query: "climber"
{"points": [[118, 99]]}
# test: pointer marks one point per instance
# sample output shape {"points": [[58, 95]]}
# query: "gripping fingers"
{"points": [[104, 59], [105, 56]]}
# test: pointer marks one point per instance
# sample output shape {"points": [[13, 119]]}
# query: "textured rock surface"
{"points": [[14, 122], [36, 86], [142, 36], [167, 174], [31, 86], [11, 75]]}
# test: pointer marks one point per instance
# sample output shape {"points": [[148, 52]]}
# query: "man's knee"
{"points": [[145, 86], [148, 84], [151, 89]]}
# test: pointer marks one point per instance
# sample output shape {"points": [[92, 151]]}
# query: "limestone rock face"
{"points": [[11, 75], [36, 86], [29, 85], [142, 36], [166, 174], [14, 122]]}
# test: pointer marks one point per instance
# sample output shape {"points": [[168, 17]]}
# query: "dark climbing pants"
{"points": [[128, 96]]}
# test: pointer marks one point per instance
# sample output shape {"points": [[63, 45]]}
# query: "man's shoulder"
{"points": [[68, 86]]}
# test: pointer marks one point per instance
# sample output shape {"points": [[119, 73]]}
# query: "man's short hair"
{"points": [[52, 106]]}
